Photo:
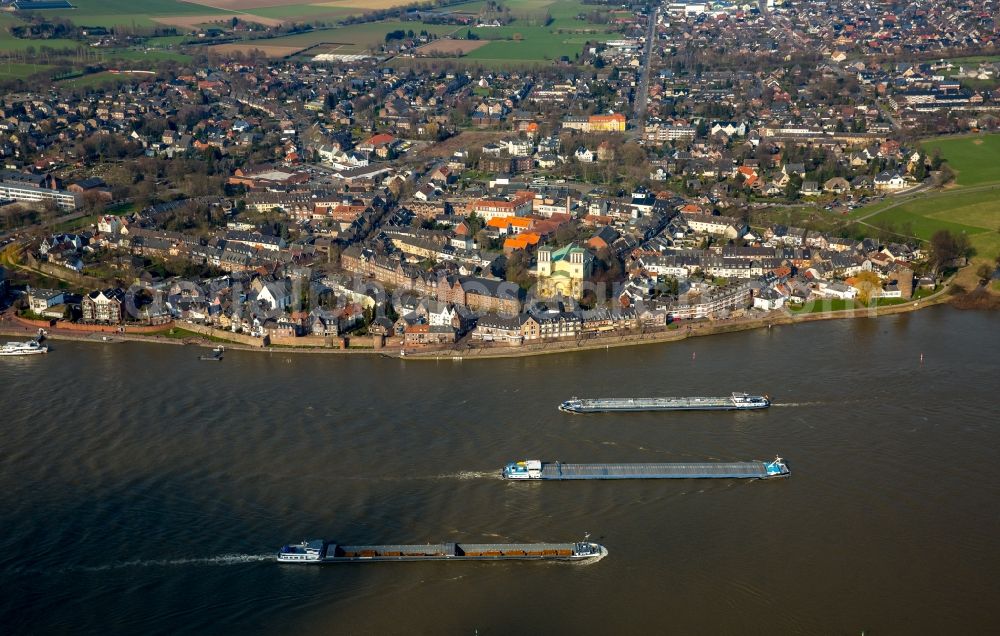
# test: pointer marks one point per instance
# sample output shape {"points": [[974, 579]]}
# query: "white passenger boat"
{"points": [[29, 348]]}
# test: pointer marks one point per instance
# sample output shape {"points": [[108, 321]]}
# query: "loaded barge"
{"points": [[533, 469], [735, 402], [321, 551]]}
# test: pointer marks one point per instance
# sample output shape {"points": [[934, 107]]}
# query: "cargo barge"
{"points": [[536, 470], [321, 551], [735, 402]]}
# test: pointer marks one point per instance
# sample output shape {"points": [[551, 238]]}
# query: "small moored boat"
{"points": [[215, 356], [32, 347]]}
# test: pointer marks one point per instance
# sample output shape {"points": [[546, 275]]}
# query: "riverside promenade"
{"points": [[466, 348]]}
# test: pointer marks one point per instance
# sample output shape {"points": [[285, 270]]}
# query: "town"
{"points": [[688, 164]]}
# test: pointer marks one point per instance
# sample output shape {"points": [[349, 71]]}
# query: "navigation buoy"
{"points": [[693, 355], [921, 358]]}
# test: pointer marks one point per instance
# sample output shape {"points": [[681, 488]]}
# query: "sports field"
{"points": [[975, 159]]}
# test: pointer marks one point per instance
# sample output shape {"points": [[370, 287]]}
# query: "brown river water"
{"points": [[146, 492]]}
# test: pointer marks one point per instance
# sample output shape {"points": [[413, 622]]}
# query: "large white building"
{"points": [[30, 194]]}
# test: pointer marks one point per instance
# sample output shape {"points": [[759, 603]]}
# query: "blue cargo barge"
{"points": [[537, 470]]}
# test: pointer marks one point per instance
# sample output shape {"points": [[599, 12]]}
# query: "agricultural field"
{"points": [[109, 13], [974, 159], [95, 80], [450, 47], [536, 45], [564, 36], [151, 55], [298, 10], [356, 38], [304, 12], [268, 50], [10, 43], [21, 70], [192, 22]]}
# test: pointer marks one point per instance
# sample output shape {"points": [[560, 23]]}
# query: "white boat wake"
{"points": [[222, 559], [774, 405], [471, 474]]}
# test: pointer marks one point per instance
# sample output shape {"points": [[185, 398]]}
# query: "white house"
{"points": [[836, 290], [39, 300], [768, 300], [890, 181], [584, 155], [438, 314], [277, 294], [730, 128], [519, 147]]}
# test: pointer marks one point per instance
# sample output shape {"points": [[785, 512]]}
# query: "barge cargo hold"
{"points": [[537, 470], [321, 551], [735, 402]]}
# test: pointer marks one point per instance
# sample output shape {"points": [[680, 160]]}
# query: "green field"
{"points": [[166, 41], [109, 13], [565, 36], [820, 305], [975, 214], [975, 159], [304, 12], [974, 60], [153, 56], [95, 80], [17, 70], [971, 63], [9, 43], [358, 37], [538, 44]]}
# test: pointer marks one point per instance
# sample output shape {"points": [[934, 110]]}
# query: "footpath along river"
{"points": [[145, 492]]}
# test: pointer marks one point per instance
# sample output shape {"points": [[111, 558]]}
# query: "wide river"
{"points": [[145, 492]]}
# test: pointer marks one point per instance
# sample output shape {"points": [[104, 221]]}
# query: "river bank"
{"points": [[695, 330], [12, 326]]}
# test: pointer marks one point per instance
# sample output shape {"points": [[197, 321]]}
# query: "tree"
{"points": [[519, 268], [984, 272], [867, 284], [793, 187], [475, 223], [947, 247], [566, 234], [920, 169]]}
